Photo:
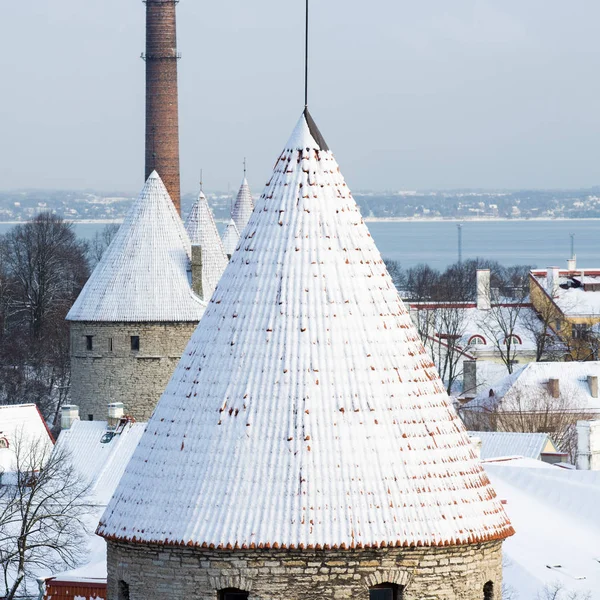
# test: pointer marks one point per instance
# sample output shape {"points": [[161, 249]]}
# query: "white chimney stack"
{"points": [[553, 275], [69, 413], [572, 263], [484, 293], [116, 411], [588, 445]]}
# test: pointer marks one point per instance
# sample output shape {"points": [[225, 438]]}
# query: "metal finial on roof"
{"points": [[306, 59], [245, 167], [201, 181]]}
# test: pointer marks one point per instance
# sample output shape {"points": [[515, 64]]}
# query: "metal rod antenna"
{"points": [[201, 181], [245, 166], [306, 59]]}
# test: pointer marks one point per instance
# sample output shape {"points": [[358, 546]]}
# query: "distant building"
{"points": [[568, 302], [22, 424], [136, 313]]}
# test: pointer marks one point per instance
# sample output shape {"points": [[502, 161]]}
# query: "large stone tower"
{"points": [[137, 312], [305, 446], [162, 112]]}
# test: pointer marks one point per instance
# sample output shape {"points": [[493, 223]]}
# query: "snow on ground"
{"points": [[555, 514]]}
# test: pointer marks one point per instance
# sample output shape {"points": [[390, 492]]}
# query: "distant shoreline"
{"points": [[372, 220]]}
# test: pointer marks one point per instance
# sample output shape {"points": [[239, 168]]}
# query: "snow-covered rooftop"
{"points": [[243, 207], [202, 231], [527, 387], [22, 424], [231, 238], [144, 275], [495, 444], [305, 412], [570, 294], [555, 514]]}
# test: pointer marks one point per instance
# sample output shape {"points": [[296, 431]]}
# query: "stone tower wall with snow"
{"points": [[446, 573], [111, 371]]}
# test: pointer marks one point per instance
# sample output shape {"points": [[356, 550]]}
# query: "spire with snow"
{"points": [[231, 238], [144, 274], [202, 230], [243, 207], [305, 412]]}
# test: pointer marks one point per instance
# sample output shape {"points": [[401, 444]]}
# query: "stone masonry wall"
{"points": [[156, 572], [113, 372]]}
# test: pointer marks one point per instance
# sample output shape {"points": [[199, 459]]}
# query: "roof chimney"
{"points": [[572, 263], [197, 271], [553, 276], [470, 378], [116, 411], [484, 296], [554, 387], [69, 413]]}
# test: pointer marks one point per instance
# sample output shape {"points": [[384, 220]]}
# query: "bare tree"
{"points": [[557, 591], [43, 511], [102, 240]]}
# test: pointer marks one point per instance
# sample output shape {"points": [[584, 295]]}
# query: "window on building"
{"points": [[580, 331], [110, 344], [488, 591], [233, 594], [89, 342], [90, 417], [477, 340], [123, 590], [135, 343], [515, 340], [386, 591]]}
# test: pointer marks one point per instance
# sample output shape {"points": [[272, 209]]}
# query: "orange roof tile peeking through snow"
{"points": [[305, 412]]}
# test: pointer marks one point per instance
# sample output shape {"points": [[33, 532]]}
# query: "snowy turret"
{"points": [[202, 230], [306, 413], [136, 313], [231, 238], [243, 207]]}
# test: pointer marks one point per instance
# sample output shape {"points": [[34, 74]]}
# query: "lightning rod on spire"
{"points": [[306, 59]]}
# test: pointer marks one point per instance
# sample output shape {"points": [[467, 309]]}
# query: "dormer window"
{"points": [[477, 340], [386, 591], [233, 594]]}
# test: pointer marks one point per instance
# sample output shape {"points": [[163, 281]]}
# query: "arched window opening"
{"points": [[515, 340], [488, 591], [233, 594], [477, 340], [123, 590], [386, 591]]}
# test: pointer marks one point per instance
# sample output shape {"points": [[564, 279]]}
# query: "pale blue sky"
{"points": [[408, 94]]}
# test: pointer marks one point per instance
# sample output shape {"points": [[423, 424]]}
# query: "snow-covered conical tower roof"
{"points": [[305, 412], [243, 207], [144, 275], [202, 230], [231, 237]]}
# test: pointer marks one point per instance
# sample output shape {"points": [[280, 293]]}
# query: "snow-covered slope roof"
{"points": [[496, 444], [243, 207], [202, 230], [22, 424], [527, 388], [144, 274], [305, 411], [231, 238], [555, 513]]}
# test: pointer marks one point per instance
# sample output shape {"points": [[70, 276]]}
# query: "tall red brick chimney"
{"points": [[162, 114]]}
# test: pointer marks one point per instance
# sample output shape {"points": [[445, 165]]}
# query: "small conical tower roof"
{"points": [[202, 230], [144, 275], [231, 238], [243, 207], [305, 412]]}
